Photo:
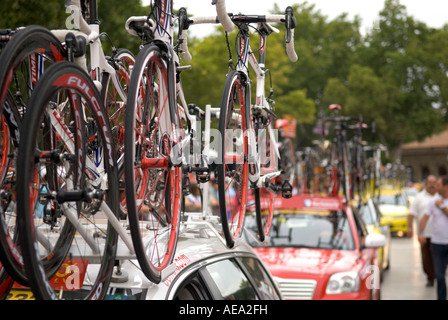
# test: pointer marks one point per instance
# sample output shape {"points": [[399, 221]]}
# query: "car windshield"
{"points": [[312, 229], [392, 199]]}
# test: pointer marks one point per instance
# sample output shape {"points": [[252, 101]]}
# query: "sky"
{"points": [[433, 12]]}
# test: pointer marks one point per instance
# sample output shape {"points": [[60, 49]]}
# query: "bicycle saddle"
{"points": [[267, 28], [139, 26]]}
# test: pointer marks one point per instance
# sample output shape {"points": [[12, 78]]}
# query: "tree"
{"points": [[326, 49], [113, 15], [398, 52], [52, 15], [49, 13], [204, 83]]}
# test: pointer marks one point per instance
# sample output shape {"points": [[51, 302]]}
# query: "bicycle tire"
{"points": [[264, 211], [123, 62], [152, 177], [345, 174], [264, 197], [6, 281], [28, 46], [335, 172], [9, 252], [233, 166], [24, 43], [60, 140]]}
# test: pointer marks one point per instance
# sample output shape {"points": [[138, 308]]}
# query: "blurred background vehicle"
{"points": [[371, 215], [394, 207]]}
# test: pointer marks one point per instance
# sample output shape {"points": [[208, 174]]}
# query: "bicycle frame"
{"points": [[99, 67], [262, 109]]}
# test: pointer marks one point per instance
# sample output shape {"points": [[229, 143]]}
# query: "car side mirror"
{"points": [[375, 240]]}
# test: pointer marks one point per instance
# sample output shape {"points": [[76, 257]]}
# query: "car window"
{"points": [[261, 279], [231, 281], [310, 229], [366, 214], [361, 228], [378, 212], [193, 289]]}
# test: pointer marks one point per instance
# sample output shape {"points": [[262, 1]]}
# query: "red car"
{"points": [[319, 249]]}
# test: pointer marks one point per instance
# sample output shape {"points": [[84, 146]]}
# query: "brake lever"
{"points": [[290, 22]]}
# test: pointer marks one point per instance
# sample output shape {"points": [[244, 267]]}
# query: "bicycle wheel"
{"points": [[345, 173], [335, 171], [233, 166], [152, 176], [115, 101], [24, 59], [69, 174], [264, 197], [264, 209], [9, 252], [6, 283], [6, 163]]}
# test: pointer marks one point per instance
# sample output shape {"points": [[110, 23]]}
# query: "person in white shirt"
{"points": [[416, 212], [437, 209], [193, 202]]}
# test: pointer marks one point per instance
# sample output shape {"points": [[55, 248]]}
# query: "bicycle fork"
{"points": [[263, 163]]}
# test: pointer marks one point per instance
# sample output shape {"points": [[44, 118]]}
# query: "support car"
{"points": [[319, 249]]}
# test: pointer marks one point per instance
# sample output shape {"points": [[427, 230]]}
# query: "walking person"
{"points": [[438, 210], [193, 202], [416, 212]]}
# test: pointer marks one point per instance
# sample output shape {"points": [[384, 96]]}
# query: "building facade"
{"points": [[427, 157]]}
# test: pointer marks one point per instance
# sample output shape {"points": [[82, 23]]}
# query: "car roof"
{"points": [[197, 242]]}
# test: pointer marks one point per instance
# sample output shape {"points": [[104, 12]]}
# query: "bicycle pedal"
{"points": [[286, 190], [287, 194], [203, 176]]}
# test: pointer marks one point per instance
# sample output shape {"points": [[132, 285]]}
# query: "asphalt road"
{"points": [[405, 279]]}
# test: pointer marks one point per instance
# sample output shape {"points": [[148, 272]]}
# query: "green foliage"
{"points": [[204, 83], [19, 13], [407, 79], [295, 103], [113, 15]]}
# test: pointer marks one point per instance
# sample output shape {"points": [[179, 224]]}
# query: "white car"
{"points": [[205, 269]]}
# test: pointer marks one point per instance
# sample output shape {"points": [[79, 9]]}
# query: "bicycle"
{"points": [[156, 169], [249, 155], [338, 171], [288, 162], [358, 161], [26, 53], [68, 246], [53, 210]]}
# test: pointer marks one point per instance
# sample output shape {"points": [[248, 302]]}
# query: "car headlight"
{"points": [[343, 282]]}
